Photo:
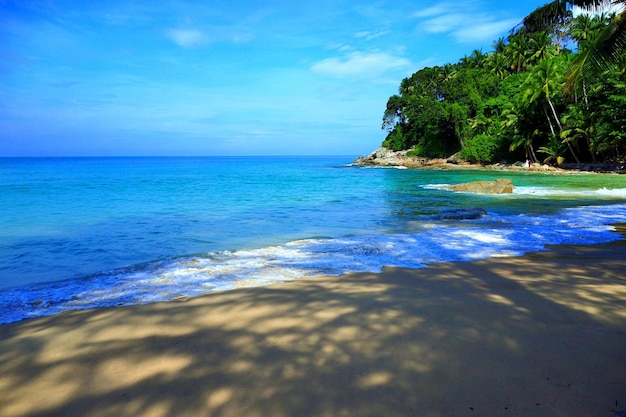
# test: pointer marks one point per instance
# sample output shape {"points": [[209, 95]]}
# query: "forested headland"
{"points": [[552, 91]]}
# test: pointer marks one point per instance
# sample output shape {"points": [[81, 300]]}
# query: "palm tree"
{"points": [[499, 45], [584, 132], [544, 81], [517, 51], [541, 47], [498, 65], [479, 58], [584, 28], [512, 114], [605, 50], [446, 73]]}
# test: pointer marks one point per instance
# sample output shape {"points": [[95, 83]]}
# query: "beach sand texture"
{"points": [[539, 335]]}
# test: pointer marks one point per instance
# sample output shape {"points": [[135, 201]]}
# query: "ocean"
{"points": [[79, 233]]}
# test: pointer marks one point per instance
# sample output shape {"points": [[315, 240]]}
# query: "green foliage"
{"points": [[396, 140], [553, 150], [483, 149], [511, 102]]}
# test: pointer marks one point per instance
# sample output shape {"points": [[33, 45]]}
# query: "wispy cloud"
{"points": [[481, 31], [447, 22], [368, 35], [438, 9], [360, 64], [190, 38], [186, 38], [468, 26]]}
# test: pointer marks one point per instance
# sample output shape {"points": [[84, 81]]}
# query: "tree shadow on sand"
{"points": [[522, 336]]}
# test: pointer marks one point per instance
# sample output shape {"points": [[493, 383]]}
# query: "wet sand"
{"points": [[539, 335]]}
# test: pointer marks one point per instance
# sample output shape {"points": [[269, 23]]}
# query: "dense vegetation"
{"points": [[534, 97]]}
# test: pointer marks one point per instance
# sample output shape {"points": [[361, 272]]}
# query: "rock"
{"points": [[500, 186], [461, 214], [454, 159], [382, 157]]}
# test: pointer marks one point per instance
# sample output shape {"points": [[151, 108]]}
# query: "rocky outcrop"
{"points": [[500, 186], [381, 157], [388, 158], [460, 214]]}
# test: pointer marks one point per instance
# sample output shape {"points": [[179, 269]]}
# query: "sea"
{"points": [[81, 233]]}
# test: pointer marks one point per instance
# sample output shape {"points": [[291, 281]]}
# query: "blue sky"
{"points": [[124, 78]]}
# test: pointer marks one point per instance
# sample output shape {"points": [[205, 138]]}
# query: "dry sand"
{"points": [[540, 335]]}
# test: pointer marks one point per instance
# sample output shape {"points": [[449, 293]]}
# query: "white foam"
{"points": [[436, 187], [495, 236], [617, 193]]}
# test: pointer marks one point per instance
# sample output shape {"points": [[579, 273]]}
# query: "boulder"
{"points": [[461, 214], [500, 186], [454, 159], [382, 157]]}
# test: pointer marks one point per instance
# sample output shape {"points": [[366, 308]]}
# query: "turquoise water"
{"points": [[90, 232]]}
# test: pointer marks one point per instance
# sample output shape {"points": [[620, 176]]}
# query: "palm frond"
{"points": [[607, 50], [546, 16]]}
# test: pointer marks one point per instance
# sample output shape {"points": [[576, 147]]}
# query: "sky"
{"points": [[187, 78]]}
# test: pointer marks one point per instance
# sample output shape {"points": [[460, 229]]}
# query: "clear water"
{"points": [[93, 232]]}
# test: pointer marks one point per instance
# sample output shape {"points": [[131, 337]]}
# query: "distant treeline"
{"points": [[545, 93]]}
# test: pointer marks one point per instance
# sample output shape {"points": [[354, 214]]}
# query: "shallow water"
{"points": [[89, 232]]}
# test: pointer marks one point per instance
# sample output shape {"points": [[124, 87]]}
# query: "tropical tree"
{"points": [[499, 45], [578, 130], [604, 50], [512, 101], [497, 64], [540, 48], [543, 83], [446, 73], [585, 28], [513, 114], [518, 51]]}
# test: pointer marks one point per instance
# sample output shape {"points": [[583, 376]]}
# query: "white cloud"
{"points": [[371, 35], [470, 25], [359, 64], [485, 31], [189, 38], [443, 23], [186, 38], [435, 10]]}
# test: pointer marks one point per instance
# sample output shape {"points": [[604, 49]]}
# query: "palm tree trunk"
{"points": [[556, 117], [532, 152], [558, 122], [549, 121]]}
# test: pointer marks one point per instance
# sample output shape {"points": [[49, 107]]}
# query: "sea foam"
{"points": [[424, 243]]}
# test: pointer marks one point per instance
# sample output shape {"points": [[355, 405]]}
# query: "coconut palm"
{"points": [[585, 28], [541, 47], [499, 45], [518, 52], [512, 115], [498, 65], [544, 81], [479, 58], [604, 50], [446, 73]]}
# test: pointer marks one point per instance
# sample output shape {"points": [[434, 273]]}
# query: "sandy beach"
{"points": [[539, 335]]}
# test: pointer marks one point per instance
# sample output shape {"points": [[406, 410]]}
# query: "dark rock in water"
{"points": [[501, 186], [461, 214]]}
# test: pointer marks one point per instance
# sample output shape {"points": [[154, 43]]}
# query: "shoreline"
{"points": [[383, 157], [542, 334]]}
